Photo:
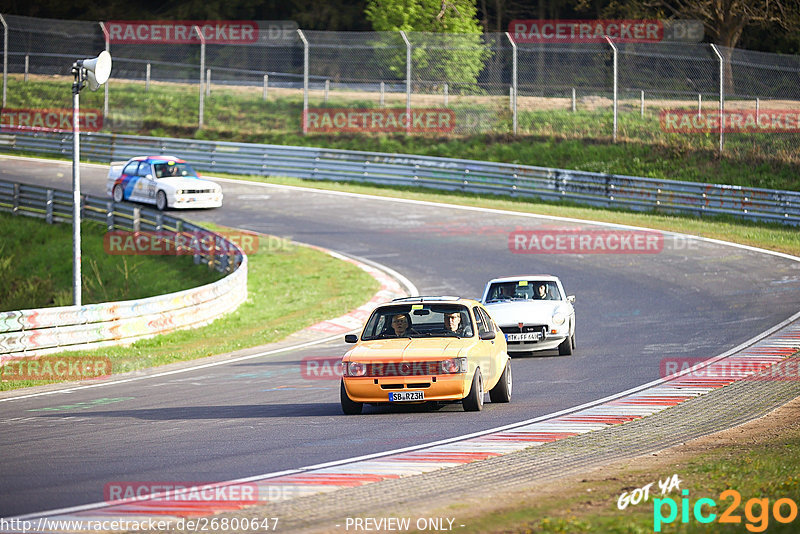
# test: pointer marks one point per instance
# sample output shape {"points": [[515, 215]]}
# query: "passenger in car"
{"points": [[541, 292], [401, 326]]}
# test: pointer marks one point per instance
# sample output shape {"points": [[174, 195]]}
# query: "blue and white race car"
{"points": [[166, 181]]}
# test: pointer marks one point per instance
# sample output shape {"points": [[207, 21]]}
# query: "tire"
{"points": [[118, 194], [574, 346], [349, 407], [473, 402], [161, 200], [502, 391], [565, 347]]}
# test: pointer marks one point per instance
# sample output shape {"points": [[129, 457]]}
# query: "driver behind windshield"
{"points": [[400, 326]]}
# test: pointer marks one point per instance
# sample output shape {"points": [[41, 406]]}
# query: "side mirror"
{"points": [[351, 338], [487, 335], [149, 176], [571, 299]]}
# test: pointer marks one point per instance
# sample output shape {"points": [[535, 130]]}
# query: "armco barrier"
{"points": [[47, 330], [595, 189]]}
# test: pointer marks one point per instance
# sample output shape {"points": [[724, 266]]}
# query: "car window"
{"points": [[169, 169], [130, 168], [524, 290], [144, 169], [419, 320], [488, 320], [483, 325]]}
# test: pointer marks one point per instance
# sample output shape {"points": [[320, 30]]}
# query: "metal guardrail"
{"points": [[41, 331], [480, 177]]}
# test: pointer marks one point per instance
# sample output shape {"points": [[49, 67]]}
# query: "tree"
{"points": [[452, 58]]}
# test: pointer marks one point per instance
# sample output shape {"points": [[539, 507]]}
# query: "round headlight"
{"points": [[356, 369], [559, 317]]}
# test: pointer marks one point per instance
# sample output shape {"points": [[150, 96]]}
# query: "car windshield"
{"points": [[419, 320], [523, 290], [168, 169]]}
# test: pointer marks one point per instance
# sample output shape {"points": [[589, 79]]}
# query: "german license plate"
{"points": [[406, 396], [527, 336]]}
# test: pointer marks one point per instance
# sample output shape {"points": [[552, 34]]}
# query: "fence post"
{"points": [[513, 81], [305, 80], [382, 89], [201, 111], [408, 80], [48, 217], [573, 100], [147, 78], [5, 58], [137, 219], [721, 97], [445, 94], [266, 87], [327, 89], [27, 66], [641, 114], [699, 104], [107, 38], [758, 107], [110, 215], [614, 48], [208, 82]]}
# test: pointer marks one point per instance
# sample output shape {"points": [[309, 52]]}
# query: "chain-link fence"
{"points": [[293, 82]]}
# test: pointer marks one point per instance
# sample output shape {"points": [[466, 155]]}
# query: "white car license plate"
{"points": [[527, 336], [406, 396]]}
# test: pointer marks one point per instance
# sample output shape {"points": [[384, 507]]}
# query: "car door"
{"points": [[485, 347], [149, 184]]}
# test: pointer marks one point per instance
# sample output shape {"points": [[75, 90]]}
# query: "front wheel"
{"points": [[565, 347], [161, 201], [473, 402], [502, 391], [349, 406]]}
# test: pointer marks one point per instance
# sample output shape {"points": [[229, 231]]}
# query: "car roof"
{"points": [[543, 277], [158, 158], [431, 299]]}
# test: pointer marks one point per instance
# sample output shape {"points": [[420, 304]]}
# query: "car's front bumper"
{"points": [[435, 387], [550, 343], [198, 202]]}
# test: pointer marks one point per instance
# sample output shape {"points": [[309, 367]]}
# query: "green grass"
{"points": [[758, 469], [36, 267], [289, 287], [551, 138]]}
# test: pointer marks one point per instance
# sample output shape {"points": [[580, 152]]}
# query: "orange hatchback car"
{"points": [[426, 349]]}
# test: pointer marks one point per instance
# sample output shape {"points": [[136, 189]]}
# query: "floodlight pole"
{"points": [[77, 85]]}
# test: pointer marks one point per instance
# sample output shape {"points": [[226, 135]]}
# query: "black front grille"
{"points": [[525, 328]]}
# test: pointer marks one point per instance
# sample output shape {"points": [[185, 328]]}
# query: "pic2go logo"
{"points": [[756, 511]]}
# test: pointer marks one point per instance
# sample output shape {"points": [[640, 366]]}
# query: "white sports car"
{"points": [[166, 181], [533, 311]]}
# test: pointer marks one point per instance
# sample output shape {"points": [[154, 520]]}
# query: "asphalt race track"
{"points": [[692, 299]]}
